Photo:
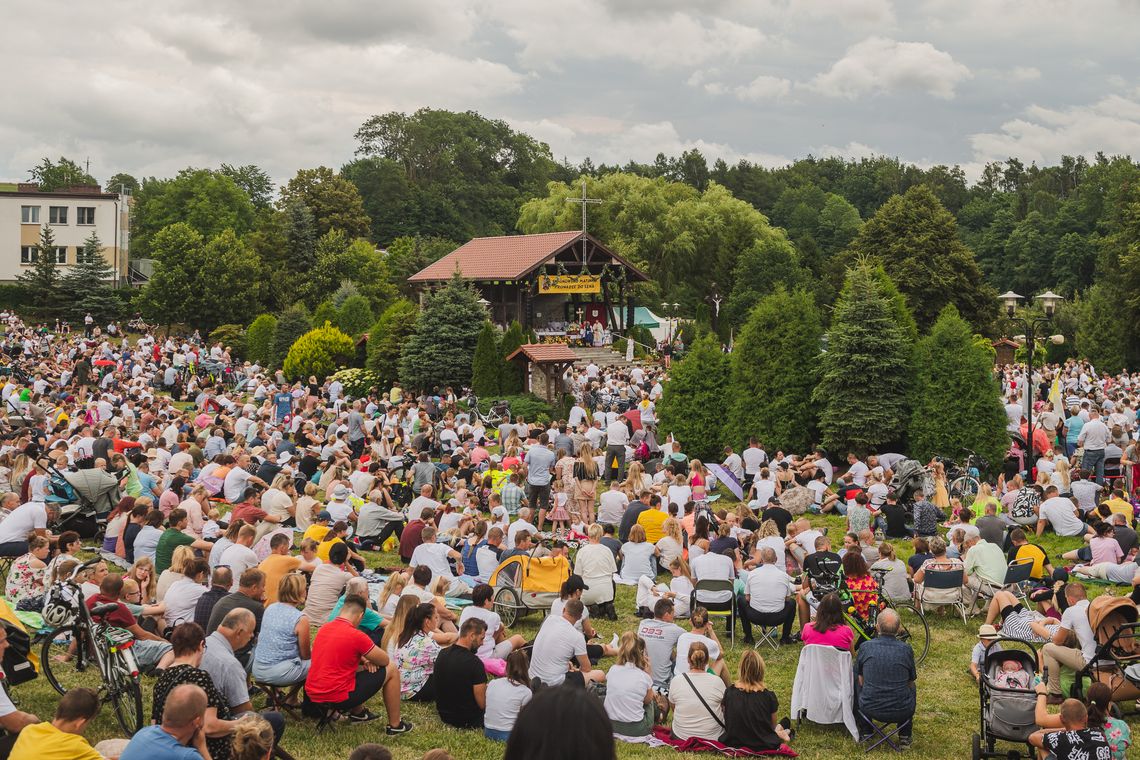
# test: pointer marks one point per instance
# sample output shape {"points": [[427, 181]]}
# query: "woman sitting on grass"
{"points": [[506, 697], [630, 700], [750, 709]]}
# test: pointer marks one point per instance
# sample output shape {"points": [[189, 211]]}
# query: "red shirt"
{"points": [[249, 512], [410, 538], [121, 617], [337, 650]]}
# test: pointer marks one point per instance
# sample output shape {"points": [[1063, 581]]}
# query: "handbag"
{"points": [[712, 712]]}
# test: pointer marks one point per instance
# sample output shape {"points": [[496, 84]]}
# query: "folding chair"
{"points": [[277, 698], [880, 734], [710, 585], [1113, 472], [1017, 574], [770, 635], [943, 580]]}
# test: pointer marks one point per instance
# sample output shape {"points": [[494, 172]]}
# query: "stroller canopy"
{"points": [[1106, 616], [96, 487], [535, 574]]}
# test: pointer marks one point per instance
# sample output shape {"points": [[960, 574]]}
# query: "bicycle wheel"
{"points": [[126, 695], [65, 667], [914, 630], [965, 489]]}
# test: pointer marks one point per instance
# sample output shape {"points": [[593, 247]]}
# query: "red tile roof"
{"points": [[497, 258], [545, 353]]}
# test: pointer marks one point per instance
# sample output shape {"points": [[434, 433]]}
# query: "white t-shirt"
{"points": [[513, 531], [23, 520], [557, 606], [485, 561], [859, 472], [626, 687], [691, 717], [877, 493], [181, 599], [754, 459], [435, 557], [765, 490], [557, 643], [239, 558], [505, 699], [494, 623], [679, 495], [612, 507], [235, 484], [686, 640], [1059, 512], [806, 540], [1076, 619], [713, 567], [818, 489], [339, 510], [767, 587]]}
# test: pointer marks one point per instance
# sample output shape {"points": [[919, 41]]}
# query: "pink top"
{"points": [[168, 501], [840, 637], [1105, 549]]}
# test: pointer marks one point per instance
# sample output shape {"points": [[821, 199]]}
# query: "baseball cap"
{"points": [[324, 514], [575, 583]]}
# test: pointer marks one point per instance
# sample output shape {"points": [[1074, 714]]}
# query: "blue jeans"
{"points": [[1070, 448], [1094, 461], [496, 735]]}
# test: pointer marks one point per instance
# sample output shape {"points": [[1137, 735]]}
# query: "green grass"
{"points": [[947, 695]]}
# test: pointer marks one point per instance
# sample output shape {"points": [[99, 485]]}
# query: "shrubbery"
{"points": [[318, 352]]}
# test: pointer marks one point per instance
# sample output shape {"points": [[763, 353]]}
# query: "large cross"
{"points": [[584, 201]]}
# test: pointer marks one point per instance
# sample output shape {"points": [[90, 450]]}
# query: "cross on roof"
{"points": [[584, 201]]}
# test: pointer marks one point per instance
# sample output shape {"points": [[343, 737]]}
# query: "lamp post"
{"points": [[1049, 301]]}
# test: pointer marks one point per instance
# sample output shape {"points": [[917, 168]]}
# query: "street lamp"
{"points": [[1049, 302]]}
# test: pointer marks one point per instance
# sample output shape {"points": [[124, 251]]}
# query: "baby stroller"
{"points": [[1006, 713], [1117, 661], [84, 498], [524, 583]]}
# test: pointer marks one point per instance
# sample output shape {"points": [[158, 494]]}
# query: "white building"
{"points": [[72, 213]]}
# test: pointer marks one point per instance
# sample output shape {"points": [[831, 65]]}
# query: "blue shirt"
{"points": [[284, 403], [277, 641], [152, 743], [539, 460], [1074, 424], [887, 667]]}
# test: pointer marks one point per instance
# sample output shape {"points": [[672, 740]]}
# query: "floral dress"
{"points": [[862, 592], [24, 581], [416, 661], [1119, 737]]}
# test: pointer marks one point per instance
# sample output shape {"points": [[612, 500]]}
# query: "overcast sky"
{"points": [[151, 87]]}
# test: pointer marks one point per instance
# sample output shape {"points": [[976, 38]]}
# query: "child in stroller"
{"points": [[1007, 697]]}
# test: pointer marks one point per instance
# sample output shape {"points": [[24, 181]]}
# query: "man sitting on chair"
{"points": [[885, 676]]}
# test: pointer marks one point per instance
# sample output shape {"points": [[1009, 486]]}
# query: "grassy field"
{"points": [[947, 696]]}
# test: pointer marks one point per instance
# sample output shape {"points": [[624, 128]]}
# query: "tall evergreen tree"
{"points": [[692, 407], [42, 278], [440, 351], [512, 375], [866, 373], [292, 324], [956, 400], [259, 339], [486, 377], [300, 243], [87, 285], [354, 316], [774, 371], [387, 337]]}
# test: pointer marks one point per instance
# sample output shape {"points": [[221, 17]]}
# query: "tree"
{"points": [[208, 201], [334, 201], [774, 371], [916, 239], [259, 339], [58, 175], [200, 283], [487, 364], [87, 285], [956, 401], [341, 260], [866, 372], [354, 316], [440, 351], [318, 353], [254, 181], [386, 339], [122, 183], [300, 245], [42, 278], [760, 269], [692, 407], [408, 255], [512, 375], [291, 325], [325, 312], [1102, 336]]}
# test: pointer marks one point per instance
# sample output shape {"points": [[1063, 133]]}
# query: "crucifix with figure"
{"points": [[584, 201]]}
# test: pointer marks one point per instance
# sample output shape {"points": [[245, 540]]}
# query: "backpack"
{"points": [[17, 667]]}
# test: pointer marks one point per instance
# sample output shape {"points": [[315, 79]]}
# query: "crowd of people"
{"points": [[239, 554]]}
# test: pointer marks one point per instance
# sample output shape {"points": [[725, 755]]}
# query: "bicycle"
{"points": [[499, 412], [964, 486], [913, 628], [80, 639]]}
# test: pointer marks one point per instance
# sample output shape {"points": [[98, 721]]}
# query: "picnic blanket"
{"points": [[663, 734]]}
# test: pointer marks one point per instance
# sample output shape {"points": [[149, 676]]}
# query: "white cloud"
{"points": [[876, 13], [851, 150], [1112, 125], [764, 88], [1024, 73], [878, 64]]}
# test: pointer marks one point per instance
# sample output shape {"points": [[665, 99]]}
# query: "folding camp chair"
{"points": [[943, 580], [710, 585], [1017, 575], [880, 733]]}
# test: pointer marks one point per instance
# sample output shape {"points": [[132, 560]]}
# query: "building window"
{"points": [[27, 254], [57, 214], [85, 215], [29, 214], [61, 254]]}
